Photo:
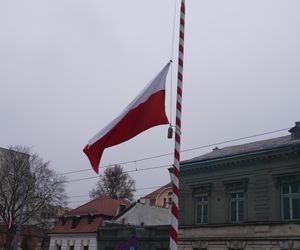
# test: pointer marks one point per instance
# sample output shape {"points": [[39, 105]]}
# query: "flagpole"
{"points": [[176, 171]]}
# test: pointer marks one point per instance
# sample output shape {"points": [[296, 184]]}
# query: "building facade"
{"points": [[123, 237], [143, 225], [161, 197], [141, 213], [79, 228], [242, 197]]}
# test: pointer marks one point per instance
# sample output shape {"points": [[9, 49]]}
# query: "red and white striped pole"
{"points": [[175, 179]]}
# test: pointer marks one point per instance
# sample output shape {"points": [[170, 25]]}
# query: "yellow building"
{"points": [[161, 197]]}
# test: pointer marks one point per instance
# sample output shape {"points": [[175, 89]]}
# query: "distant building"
{"points": [[142, 213], [79, 228], [242, 197], [122, 236], [143, 225], [32, 235], [50, 214], [161, 197]]}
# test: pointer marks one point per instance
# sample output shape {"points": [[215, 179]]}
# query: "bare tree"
{"points": [[26, 184], [114, 183]]}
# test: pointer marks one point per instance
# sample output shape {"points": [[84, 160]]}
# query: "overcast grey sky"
{"points": [[68, 67]]}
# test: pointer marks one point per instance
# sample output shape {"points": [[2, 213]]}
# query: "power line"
{"points": [[129, 171], [166, 154], [139, 195], [138, 189]]}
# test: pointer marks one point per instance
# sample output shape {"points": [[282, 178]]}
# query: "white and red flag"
{"points": [[145, 111]]}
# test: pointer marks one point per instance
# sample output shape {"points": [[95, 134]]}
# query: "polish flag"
{"points": [[145, 111]]}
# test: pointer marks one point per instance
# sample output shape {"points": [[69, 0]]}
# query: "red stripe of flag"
{"points": [[146, 111]]}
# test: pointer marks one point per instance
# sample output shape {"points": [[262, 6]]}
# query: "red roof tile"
{"points": [[105, 207], [153, 195], [102, 205], [82, 227]]}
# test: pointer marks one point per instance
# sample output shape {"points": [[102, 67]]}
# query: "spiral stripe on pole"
{"points": [[175, 179]]}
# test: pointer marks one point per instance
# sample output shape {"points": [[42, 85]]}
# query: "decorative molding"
{"points": [[286, 178], [209, 165], [201, 189], [236, 184]]}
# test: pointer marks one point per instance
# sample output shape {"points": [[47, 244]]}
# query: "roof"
{"points": [[155, 193], [146, 214], [101, 206], [83, 226], [257, 146], [97, 209], [125, 211]]}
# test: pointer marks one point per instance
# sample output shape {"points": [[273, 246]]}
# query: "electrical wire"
{"points": [[129, 171], [167, 154], [138, 189], [164, 166], [79, 201]]}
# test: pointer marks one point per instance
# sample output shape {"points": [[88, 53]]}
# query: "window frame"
{"points": [[237, 200], [202, 204], [291, 196]]}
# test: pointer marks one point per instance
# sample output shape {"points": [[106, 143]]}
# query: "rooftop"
{"points": [[252, 147], [89, 217], [83, 226], [156, 192], [101, 206]]}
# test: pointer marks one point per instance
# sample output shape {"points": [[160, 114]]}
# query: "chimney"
{"points": [[295, 131]]}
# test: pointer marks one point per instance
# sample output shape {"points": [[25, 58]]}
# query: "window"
{"points": [[71, 247], [201, 208], [201, 202], [236, 206], [236, 191], [75, 221], [165, 202], [58, 247], [85, 247], [90, 218], [290, 201]]}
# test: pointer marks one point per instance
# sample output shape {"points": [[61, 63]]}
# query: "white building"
{"points": [[78, 229], [143, 214]]}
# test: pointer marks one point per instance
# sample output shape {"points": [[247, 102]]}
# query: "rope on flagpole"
{"points": [[175, 175], [172, 52]]}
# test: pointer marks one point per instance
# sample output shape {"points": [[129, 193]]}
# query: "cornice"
{"points": [[240, 160]]}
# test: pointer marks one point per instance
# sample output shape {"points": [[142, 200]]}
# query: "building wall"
{"points": [[165, 194], [248, 237], [145, 214], [262, 189], [78, 240], [260, 177], [131, 237]]}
